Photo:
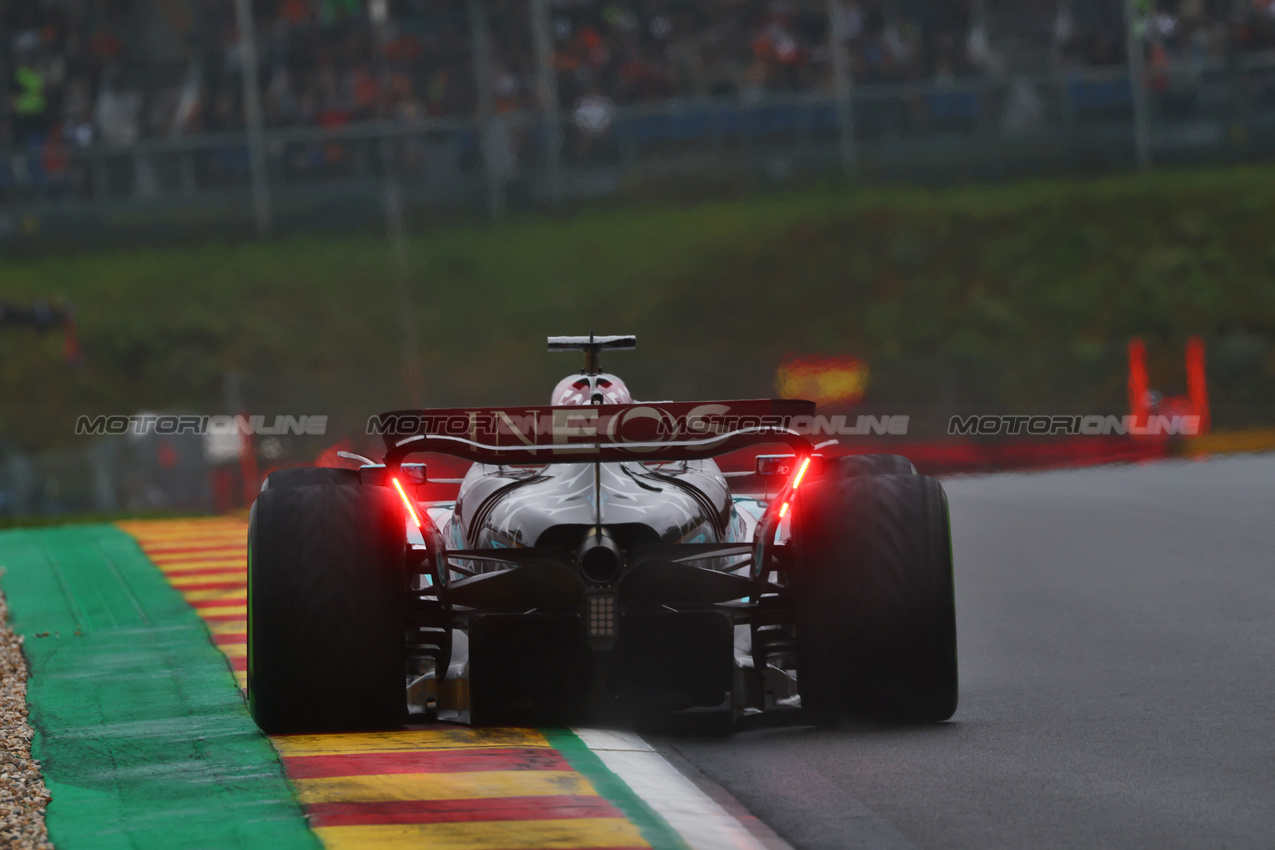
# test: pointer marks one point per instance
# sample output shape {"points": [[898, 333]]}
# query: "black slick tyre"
{"points": [[851, 465], [326, 609], [874, 599], [304, 476]]}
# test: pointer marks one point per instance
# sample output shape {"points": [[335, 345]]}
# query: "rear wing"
{"points": [[591, 345], [657, 431]]}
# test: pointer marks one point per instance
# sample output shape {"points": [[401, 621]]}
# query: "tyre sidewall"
{"points": [[874, 598], [327, 596]]}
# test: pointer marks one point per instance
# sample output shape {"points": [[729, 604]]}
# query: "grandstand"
{"points": [[142, 107]]}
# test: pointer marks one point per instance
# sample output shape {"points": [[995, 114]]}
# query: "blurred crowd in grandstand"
{"points": [[80, 71]]}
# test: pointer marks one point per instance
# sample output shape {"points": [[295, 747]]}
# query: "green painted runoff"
{"points": [[144, 739]]}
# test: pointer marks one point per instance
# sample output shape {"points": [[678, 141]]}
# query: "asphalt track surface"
{"points": [[1117, 658]]}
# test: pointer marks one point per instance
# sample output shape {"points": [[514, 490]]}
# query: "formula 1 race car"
{"points": [[595, 564]]}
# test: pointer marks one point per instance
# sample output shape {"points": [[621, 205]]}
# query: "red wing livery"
{"points": [[673, 430]]}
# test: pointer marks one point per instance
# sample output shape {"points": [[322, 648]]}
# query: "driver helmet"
{"points": [[602, 388]]}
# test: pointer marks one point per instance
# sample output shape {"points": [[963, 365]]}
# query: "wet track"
{"points": [[1117, 643]]}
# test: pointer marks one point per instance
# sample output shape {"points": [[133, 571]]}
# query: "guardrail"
{"points": [[972, 127]]}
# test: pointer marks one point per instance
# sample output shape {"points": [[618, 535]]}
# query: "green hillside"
{"points": [[1016, 294]]}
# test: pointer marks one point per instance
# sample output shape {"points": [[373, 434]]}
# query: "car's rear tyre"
{"points": [[874, 599], [304, 476], [326, 609], [851, 465]]}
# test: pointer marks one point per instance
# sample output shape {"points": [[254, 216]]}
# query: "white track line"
{"points": [[702, 823]]}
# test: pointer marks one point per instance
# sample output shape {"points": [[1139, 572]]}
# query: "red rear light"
{"points": [[796, 482], [801, 473], [407, 502]]}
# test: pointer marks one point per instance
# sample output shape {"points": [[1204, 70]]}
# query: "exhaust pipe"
{"points": [[599, 559]]}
